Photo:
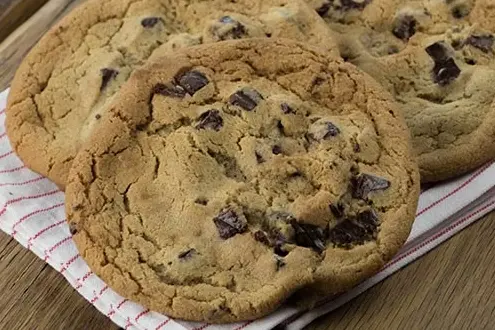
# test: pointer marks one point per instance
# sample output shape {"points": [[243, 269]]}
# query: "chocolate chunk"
{"points": [[438, 51], [280, 251], [262, 237], [309, 236], [286, 108], [73, 228], [355, 231], [470, 61], [150, 22], [187, 254], [97, 116], [229, 223], [445, 72], [323, 9], [169, 90], [201, 201], [445, 69], [279, 262], [483, 42], [106, 76], [364, 184], [351, 4], [324, 131], [210, 119], [246, 98], [337, 209], [192, 81], [460, 11], [277, 150], [259, 158], [405, 27], [235, 31]]}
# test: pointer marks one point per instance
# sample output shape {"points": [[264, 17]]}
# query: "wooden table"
{"points": [[450, 288]]}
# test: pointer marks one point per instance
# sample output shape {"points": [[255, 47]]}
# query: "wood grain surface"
{"points": [[452, 287]]}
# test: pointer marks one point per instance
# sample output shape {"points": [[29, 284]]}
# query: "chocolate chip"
{"points": [[277, 150], [405, 27], [210, 119], [106, 76], [286, 108], [187, 254], [262, 237], [470, 61], [169, 90], [438, 51], [324, 131], [259, 158], [73, 228], [201, 201], [279, 262], [246, 98], [364, 184], [323, 10], [483, 42], [280, 251], [460, 11], [445, 69], [229, 223], [192, 81], [150, 22], [337, 210], [445, 72], [235, 31], [358, 230], [97, 116], [309, 236], [351, 4]]}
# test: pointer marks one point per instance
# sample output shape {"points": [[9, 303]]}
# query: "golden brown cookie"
{"points": [[437, 59], [228, 176], [65, 84]]}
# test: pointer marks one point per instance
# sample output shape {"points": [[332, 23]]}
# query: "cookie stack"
{"points": [[220, 156]]}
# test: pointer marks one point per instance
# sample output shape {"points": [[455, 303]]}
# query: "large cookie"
{"points": [[64, 85], [437, 59], [228, 176]]}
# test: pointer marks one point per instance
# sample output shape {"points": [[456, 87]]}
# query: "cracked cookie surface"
{"points": [[65, 84], [437, 59], [226, 177]]}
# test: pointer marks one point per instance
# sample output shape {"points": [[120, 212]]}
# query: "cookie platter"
{"points": [[221, 159]]}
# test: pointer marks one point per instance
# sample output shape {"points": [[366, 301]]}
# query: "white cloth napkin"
{"points": [[32, 212]]}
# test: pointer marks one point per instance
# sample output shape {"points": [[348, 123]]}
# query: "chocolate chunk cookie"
{"points": [[437, 59], [228, 176], [66, 83]]}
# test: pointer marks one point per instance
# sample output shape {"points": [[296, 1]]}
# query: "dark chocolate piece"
{"points": [[229, 223], [169, 90], [364, 184], [210, 119], [150, 22], [192, 81], [405, 27], [356, 231], [483, 42], [187, 254], [246, 98], [107, 75]]}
